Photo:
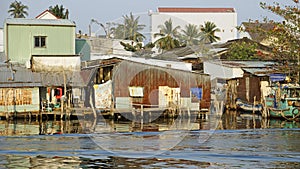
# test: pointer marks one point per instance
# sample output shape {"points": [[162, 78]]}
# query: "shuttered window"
{"points": [[40, 41]]}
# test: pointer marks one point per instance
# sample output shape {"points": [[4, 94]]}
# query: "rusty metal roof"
{"points": [[255, 30], [196, 10]]}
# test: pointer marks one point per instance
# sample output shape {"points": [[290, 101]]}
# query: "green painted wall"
{"points": [[83, 48], [60, 40]]}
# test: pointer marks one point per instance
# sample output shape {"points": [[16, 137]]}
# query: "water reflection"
{"points": [[230, 120], [107, 162], [239, 141]]}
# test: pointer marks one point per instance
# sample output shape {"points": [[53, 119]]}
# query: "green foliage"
{"points": [[286, 37], [130, 29], [138, 46], [208, 32], [242, 51], [59, 11], [191, 35], [131, 47], [168, 36], [18, 10]]}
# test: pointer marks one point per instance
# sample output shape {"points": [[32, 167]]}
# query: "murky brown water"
{"points": [[230, 141]]}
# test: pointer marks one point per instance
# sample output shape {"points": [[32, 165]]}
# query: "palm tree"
{"points": [[191, 35], [18, 10], [130, 29], [168, 36], [59, 11], [208, 30]]}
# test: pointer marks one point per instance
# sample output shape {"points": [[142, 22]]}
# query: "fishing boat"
{"points": [[284, 102], [246, 107]]}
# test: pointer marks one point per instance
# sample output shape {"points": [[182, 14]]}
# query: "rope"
{"points": [[290, 119]]}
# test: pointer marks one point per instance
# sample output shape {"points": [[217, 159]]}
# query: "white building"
{"points": [[46, 15], [224, 18], [1, 40]]}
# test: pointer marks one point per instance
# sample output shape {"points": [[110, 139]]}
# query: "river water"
{"points": [[230, 141]]}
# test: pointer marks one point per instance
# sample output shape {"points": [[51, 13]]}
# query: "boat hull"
{"points": [[288, 113], [248, 108]]}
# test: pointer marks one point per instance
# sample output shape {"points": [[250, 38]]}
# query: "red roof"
{"points": [[200, 10]]}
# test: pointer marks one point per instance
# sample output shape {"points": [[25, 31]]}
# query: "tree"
{"points": [[286, 37], [59, 11], [132, 47], [130, 29], [208, 32], [191, 35], [168, 36], [242, 51], [18, 10]]}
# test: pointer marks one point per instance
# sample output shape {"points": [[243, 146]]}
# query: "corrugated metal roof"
{"points": [[245, 64], [22, 77], [199, 10], [22, 21], [18, 77], [149, 61], [257, 71], [73, 79], [254, 29]]}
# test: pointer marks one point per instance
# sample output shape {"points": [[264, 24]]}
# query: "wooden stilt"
{"points": [[142, 116]]}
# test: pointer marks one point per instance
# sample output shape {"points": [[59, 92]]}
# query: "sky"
{"points": [[104, 11]]}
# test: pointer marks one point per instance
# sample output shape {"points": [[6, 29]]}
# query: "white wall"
{"points": [[217, 70], [56, 63], [226, 22], [1, 40], [46, 15], [243, 34]]}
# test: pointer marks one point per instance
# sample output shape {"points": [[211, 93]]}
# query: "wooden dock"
{"points": [[106, 113]]}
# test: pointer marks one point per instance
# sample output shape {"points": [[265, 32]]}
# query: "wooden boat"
{"points": [[248, 107], [285, 103]]}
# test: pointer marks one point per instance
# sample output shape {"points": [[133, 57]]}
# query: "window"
{"points": [[40, 41]]}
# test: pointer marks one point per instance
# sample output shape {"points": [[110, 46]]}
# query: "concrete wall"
{"points": [[1, 40]]}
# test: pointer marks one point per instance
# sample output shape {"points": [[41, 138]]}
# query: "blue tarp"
{"points": [[277, 77], [197, 92]]}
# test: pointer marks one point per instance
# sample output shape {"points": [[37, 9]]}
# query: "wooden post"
{"points": [[93, 108], [150, 119], [180, 113], [61, 108], [65, 90], [254, 104], [133, 113], [142, 116]]}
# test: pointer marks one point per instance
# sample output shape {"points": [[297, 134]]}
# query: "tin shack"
{"points": [[132, 84], [19, 90]]}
